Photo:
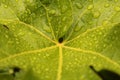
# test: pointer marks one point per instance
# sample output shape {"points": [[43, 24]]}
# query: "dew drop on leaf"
{"points": [[77, 28], [6, 36], [106, 5], [90, 7], [10, 42], [21, 33], [117, 8], [116, 0], [64, 18], [17, 42], [47, 29], [5, 6], [96, 14], [105, 23], [64, 8], [52, 12], [79, 5]]}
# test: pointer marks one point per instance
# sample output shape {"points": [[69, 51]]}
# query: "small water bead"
{"points": [[96, 14], [17, 42], [116, 0], [52, 11], [105, 23], [117, 8], [3, 1], [21, 33], [6, 36], [10, 42], [28, 11], [90, 7], [64, 9], [65, 29], [115, 32], [47, 29], [79, 5], [77, 28], [64, 18], [106, 5], [5, 6]]}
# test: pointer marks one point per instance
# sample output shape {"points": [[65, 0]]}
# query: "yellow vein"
{"points": [[87, 31], [79, 17], [60, 64], [94, 53], [27, 52], [38, 31], [94, 28]]}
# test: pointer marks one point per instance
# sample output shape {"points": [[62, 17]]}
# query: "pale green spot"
{"points": [[5, 6], [90, 7], [116, 0], [79, 5], [21, 33], [11, 71], [117, 8], [96, 14], [64, 18], [52, 11], [64, 9], [6, 36], [106, 5], [105, 23], [77, 28], [47, 29]]}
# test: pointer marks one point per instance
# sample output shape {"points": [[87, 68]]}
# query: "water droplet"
{"points": [[6, 36], [117, 8], [116, 0], [5, 6], [105, 23], [28, 11], [47, 29], [64, 18], [17, 42], [65, 29], [64, 8], [104, 45], [10, 42], [96, 14], [21, 33], [106, 5], [77, 28], [79, 5], [90, 22], [100, 33], [90, 7], [52, 11]]}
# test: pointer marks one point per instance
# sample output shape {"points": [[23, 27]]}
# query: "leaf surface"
{"points": [[59, 39]]}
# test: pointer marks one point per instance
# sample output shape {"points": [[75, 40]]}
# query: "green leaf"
{"points": [[59, 39]]}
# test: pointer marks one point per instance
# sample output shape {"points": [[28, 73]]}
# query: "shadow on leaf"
{"points": [[106, 74], [26, 75]]}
